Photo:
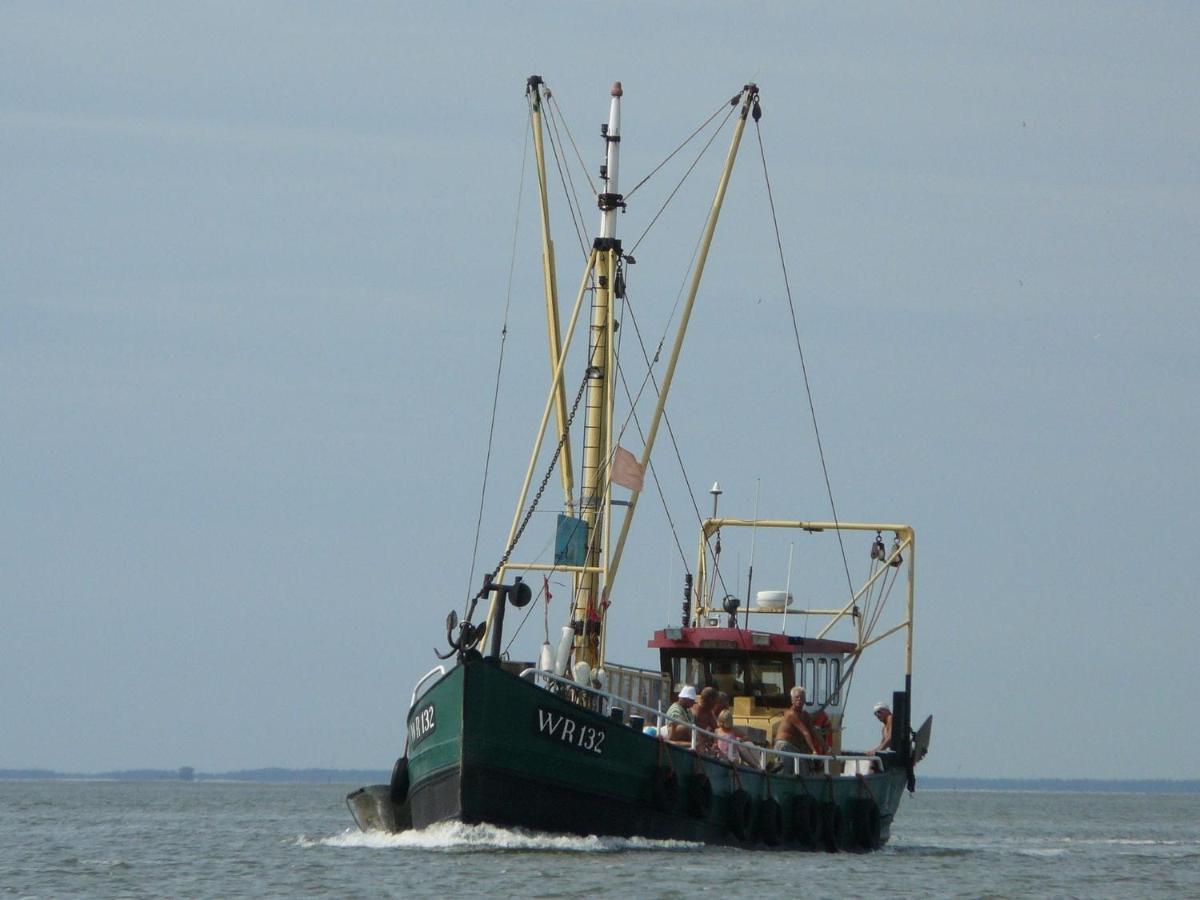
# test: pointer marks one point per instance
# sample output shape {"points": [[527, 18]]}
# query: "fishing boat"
{"points": [[574, 742]]}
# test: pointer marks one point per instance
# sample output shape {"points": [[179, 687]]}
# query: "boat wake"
{"points": [[455, 837]]}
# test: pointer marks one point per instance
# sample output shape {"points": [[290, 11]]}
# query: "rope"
{"points": [[803, 367], [499, 368], [671, 196], [564, 176], [654, 475], [671, 432], [571, 138], [687, 140]]}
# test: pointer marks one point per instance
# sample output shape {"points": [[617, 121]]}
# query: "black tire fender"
{"points": [[700, 795], [664, 789], [865, 824], [831, 827], [740, 812], [399, 782], [770, 821], [806, 820]]}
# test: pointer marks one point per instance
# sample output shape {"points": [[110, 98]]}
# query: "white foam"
{"points": [[455, 837], [1132, 842]]}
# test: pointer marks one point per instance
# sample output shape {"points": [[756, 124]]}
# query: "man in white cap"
{"points": [[884, 714], [680, 717]]}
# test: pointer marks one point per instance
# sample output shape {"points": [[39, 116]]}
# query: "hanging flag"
{"points": [[570, 541], [627, 471]]}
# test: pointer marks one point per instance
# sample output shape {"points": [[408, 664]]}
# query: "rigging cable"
{"points": [[686, 141], [671, 196], [812, 409], [571, 138], [564, 176], [848, 675], [670, 431], [499, 367]]}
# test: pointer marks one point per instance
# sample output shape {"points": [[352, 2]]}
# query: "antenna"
{"points": [[753, 537]]}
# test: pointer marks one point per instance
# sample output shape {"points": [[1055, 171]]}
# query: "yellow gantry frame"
{"points": [[908, 544]]}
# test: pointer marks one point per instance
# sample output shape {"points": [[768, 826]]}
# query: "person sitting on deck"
{"points": [[706, 718], [884, 714], [722, 704], [796, 733], [677, 728], [728, 737]]}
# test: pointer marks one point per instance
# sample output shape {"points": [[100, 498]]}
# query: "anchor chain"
{"points": [[591, 371]]}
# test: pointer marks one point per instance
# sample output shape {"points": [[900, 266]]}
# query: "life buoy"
{"points": [[806, 820], [831, 827], [664, 789], [740, 808], [699, 795], [770, 821], [865, 824], [399, 783]]}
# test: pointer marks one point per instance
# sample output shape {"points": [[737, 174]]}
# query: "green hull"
{"points": [[487, 746]]}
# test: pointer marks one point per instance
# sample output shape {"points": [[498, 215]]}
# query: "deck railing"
{"points": [[745, 748]]}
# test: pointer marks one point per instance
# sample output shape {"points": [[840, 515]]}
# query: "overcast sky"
{"points": [[254, 271]]}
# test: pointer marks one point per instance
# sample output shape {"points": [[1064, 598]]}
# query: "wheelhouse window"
{"points": [[820, 676], [765, 678]]}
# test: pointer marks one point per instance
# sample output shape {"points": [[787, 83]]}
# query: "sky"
{"points": [[255, 267]]}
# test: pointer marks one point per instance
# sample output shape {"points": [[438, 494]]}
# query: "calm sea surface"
{"points": [[170, 839]]}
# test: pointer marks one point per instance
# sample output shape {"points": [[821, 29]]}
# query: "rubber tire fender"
{"points": [[399, 782], [770, 821], [699, 795], [664, 789], [740, 814], [806, 820], [831, 827], [865, 824]]}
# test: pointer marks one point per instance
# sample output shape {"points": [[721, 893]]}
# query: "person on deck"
{"points": [[680, 717], [796, 733], [727, 736], [706, 718], [723, 703], [884, 714]]}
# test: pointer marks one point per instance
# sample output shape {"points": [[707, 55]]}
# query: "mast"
{"points": [[597, 430]]}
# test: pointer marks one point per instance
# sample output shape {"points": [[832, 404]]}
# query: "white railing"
{"points": [[745, 748], [632, 685], [436, 670]]}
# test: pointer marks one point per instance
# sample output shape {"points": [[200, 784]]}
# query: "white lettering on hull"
{"points": [[575, 734]]}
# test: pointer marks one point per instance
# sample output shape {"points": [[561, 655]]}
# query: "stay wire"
{"points": [[654, 474], [564, 177], [671, 433], [812, 409], [499, 369], [684, 178], [571, 138], [671, 155]]}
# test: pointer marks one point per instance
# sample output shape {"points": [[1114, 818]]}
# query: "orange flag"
{"points": [[627, 471]]}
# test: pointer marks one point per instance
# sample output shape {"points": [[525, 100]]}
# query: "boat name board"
{"points": [[421, 725], [560, 727]]}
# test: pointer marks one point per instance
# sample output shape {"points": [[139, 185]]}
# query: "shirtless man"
{"points": [[796, 733], [706, 717], [884, 714]]}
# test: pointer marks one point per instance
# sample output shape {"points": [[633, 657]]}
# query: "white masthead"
{"points": [[610, 197]]}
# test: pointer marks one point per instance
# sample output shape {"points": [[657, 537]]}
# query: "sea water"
{"points": [[206, 839]]}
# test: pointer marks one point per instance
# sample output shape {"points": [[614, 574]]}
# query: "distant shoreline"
{"points": [[379, 776]]}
